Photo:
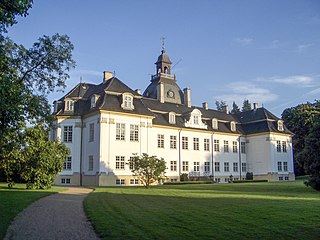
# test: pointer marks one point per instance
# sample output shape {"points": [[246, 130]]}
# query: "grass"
{"points": [[13, 201], [286, 210]]}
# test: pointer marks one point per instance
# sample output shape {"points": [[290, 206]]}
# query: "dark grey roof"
{"points": [[163, 58], [254, 121]]}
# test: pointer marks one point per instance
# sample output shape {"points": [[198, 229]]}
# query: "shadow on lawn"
{"points": [[150, 216]]}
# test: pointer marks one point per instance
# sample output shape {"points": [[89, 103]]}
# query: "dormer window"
{"points": [[215, 123], [93, 100], [233, 126], [280, 125], [127, 101], [69, 105], [172, 118], [195, 121]]}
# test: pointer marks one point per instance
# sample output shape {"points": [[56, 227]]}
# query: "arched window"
{"points": [[233, 126], [166, 69], [280, 125], [69, 105], [172, 118], [215, 123], [127, 101]]}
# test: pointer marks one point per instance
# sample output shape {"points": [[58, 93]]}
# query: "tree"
{"points": [[149, 169], [235, 108], [246, 105], [9, 9], [26, 76], [220, 105], [42, 159], [311, 155], [300, 120]]}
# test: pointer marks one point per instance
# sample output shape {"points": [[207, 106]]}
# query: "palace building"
{"points": [[105, 124]]}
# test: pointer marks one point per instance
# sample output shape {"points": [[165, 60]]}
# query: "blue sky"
{"points": [[265, 51]]}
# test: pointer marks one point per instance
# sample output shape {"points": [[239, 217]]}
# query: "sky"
{"points": [[265, 51]]}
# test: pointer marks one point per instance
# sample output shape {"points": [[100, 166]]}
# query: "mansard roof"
{"points": [[110, 98]]}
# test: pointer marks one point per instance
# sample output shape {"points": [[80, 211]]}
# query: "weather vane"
{"points": [[162, 39]]}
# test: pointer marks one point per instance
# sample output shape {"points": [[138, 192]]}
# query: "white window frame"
{"points": [[285, 166], [284, 146], [243, 147], [69, 105], [215, 123], [279, 166], [67, 165], [217, 166], [244, 167], [235, 167], [185, 145], [120, 162], [127, 101], [173, 142], [216, 145], [160, 140], [196, 166], [172, 118], [206, 167], [134, 133], [121, 131], [173, 166], [185, 166], [235, 147], [195, 143], [226, 167], [206, 144], [226, 146], [67, 134], [278, 146], [233, 127], [280, 126]]}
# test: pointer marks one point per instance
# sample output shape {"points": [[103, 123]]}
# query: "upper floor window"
{"points": [[233, 126], [67, 134], [280, 125], [160, 141], [215, 123], [134, 133], [120, 131], [69, 105], [172, 118], [91, 132], [196, 120], [127, 101], [67, 163]]}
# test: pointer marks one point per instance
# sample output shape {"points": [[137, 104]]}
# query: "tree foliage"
{"points": [[26, 76], [235, 108], [246, 105], [40, 158], [149, 169], [9, 9], [300, 120], [220, 105]]}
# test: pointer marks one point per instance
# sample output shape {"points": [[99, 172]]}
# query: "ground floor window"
{"points": [[185, 166], [207, 166], [286, 178], [280, 178], [120, 181], [134, 181], [173, 180], [65, 181], [173, 166], [217, 180], [196, 166]]}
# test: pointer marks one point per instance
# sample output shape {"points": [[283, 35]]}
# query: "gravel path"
{"points": [[58, 216]]}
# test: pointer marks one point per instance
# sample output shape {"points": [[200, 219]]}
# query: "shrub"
{"points": [[249, 176], [184, 177]]}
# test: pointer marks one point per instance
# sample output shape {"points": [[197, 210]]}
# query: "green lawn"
{"points": [[286, 210], [13, 201]]}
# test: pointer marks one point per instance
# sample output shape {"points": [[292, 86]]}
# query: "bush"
{"points": [[184, 177], [249, 181], [249, 176], [187, 182], [314, 182]]}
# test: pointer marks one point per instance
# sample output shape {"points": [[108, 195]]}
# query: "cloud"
{"points": [[303, 47], [238, 91], [243, 41], [297, 80]]}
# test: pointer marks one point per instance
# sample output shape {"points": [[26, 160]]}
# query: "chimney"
{"points": [[205, 105], [138, 90], [255, 106], [107, 75], [187, 97], [161, 92], [225, 109]]}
